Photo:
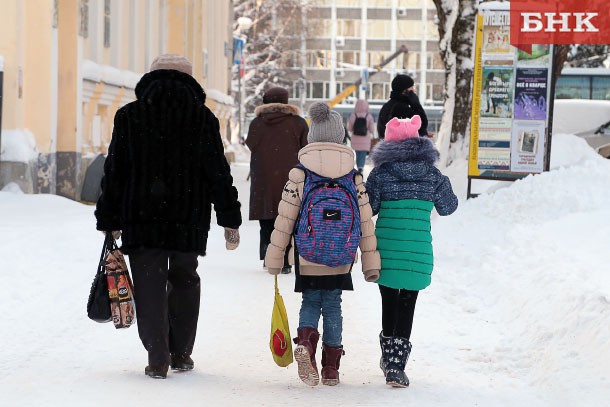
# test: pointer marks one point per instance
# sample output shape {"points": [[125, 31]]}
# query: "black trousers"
{"points": [[265, 234], [397, 309], [167, 291]]}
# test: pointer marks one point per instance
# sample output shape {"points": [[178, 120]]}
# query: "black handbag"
{"points": [[98, 305]]}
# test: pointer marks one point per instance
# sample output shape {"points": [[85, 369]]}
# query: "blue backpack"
{"points": [[327, 229]]}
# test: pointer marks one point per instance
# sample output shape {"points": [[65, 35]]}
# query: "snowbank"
{"points": [[12, 188], [18, 145]]}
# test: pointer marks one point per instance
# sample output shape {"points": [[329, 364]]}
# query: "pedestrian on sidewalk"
{"points": [[403, 104], [403, 187], [362, 126], [165, 168], [275, 137], [325, 209]]}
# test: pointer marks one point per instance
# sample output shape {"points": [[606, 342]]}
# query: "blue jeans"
{"points": [[361, 158], [328, 304]]}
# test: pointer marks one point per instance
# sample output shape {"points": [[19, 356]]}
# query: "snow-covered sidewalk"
{"points": [[518, 312]]}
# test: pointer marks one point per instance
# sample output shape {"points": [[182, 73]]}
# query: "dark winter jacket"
{"points": [[165, 168], [403, 188], [403, 107], [275, 137]]}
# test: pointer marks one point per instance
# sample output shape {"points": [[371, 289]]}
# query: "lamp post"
{"points": [[243, 25]]}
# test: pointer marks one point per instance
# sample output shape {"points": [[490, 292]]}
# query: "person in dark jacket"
{"points": [[165, 168], [275, 137], [403, 104], [404, 186]]}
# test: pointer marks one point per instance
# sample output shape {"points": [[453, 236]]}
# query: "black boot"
{"points": [[386, 345], [183, 363], [397, 360], [156, 372]]}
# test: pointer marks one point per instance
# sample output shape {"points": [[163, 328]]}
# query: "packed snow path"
{"points": [[518, 312]]}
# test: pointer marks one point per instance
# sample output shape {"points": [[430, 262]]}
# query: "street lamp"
{"points": [[243, 25]]}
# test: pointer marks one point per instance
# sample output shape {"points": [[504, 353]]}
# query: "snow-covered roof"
{"points": [[109, 74]]}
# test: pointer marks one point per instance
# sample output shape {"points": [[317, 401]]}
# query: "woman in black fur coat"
{"points": [[165, 168]]}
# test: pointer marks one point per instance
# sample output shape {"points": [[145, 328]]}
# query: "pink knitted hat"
{"points": [[400, 129]]}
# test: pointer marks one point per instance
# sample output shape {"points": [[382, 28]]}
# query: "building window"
{"points": [[348, 57], [379, 91], [437, 92], [434, 61], [106, 23], [84, 19], [600, 88], [318, 59], [349, 28]]}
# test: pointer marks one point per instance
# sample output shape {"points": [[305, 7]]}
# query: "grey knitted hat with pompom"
{"points": [[326, 125]]}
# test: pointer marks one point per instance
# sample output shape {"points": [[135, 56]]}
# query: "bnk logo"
{"points": [[559, 22]]}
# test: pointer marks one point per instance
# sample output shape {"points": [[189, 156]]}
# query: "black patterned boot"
{"points": [[386, 345], [397, 360]]}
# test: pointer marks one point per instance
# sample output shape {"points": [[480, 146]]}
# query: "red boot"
{"points": [[330, 364], [305, 355]]}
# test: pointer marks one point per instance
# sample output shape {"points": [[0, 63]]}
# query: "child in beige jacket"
{"points": [[321, 285]]}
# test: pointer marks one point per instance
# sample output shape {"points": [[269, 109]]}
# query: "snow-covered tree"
{"points": [[274, 34], [588, 56], [456, 20]]}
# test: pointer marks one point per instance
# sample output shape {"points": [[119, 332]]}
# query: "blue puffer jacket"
{"points": [[403, 188], [405, 170]]}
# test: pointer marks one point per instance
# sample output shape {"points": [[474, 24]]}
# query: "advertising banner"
{"points": [[511, 102]]}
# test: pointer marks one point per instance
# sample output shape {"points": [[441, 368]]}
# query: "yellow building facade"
{"points": [[68, 65]]}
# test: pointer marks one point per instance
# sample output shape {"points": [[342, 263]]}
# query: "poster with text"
{"points": [[527, 146], [496, 48], [531, 93], [497, 92], [494, 144]]}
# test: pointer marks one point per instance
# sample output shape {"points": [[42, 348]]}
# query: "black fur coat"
{"points": [[165, 168]]}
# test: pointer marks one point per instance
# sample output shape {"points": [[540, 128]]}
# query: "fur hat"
{"points": [[276, 95], [172, 61], [326, 125], [400, 129], [402, 82]]}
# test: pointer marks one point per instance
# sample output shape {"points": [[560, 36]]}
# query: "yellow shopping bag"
{"points": [[280, 343]]}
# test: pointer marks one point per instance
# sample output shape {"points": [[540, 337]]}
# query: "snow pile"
{"points": [[12, 188], [18, 145], [108, 74], [530, 262]]}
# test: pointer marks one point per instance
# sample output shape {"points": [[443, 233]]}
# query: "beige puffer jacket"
{"points": [[329, 160]]}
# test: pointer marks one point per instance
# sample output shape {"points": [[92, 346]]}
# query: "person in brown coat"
{"points": [[275, 137], [322, 285]]}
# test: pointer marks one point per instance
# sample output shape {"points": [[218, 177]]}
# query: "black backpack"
{"points": [[360, 126]]}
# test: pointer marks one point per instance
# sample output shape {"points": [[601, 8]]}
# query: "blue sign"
{"points": [[238, 50]]}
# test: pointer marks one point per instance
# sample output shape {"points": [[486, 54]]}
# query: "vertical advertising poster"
{"points": [[497, 92], [496, 33], [494, 144], [531, 94], [527, 146]]}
